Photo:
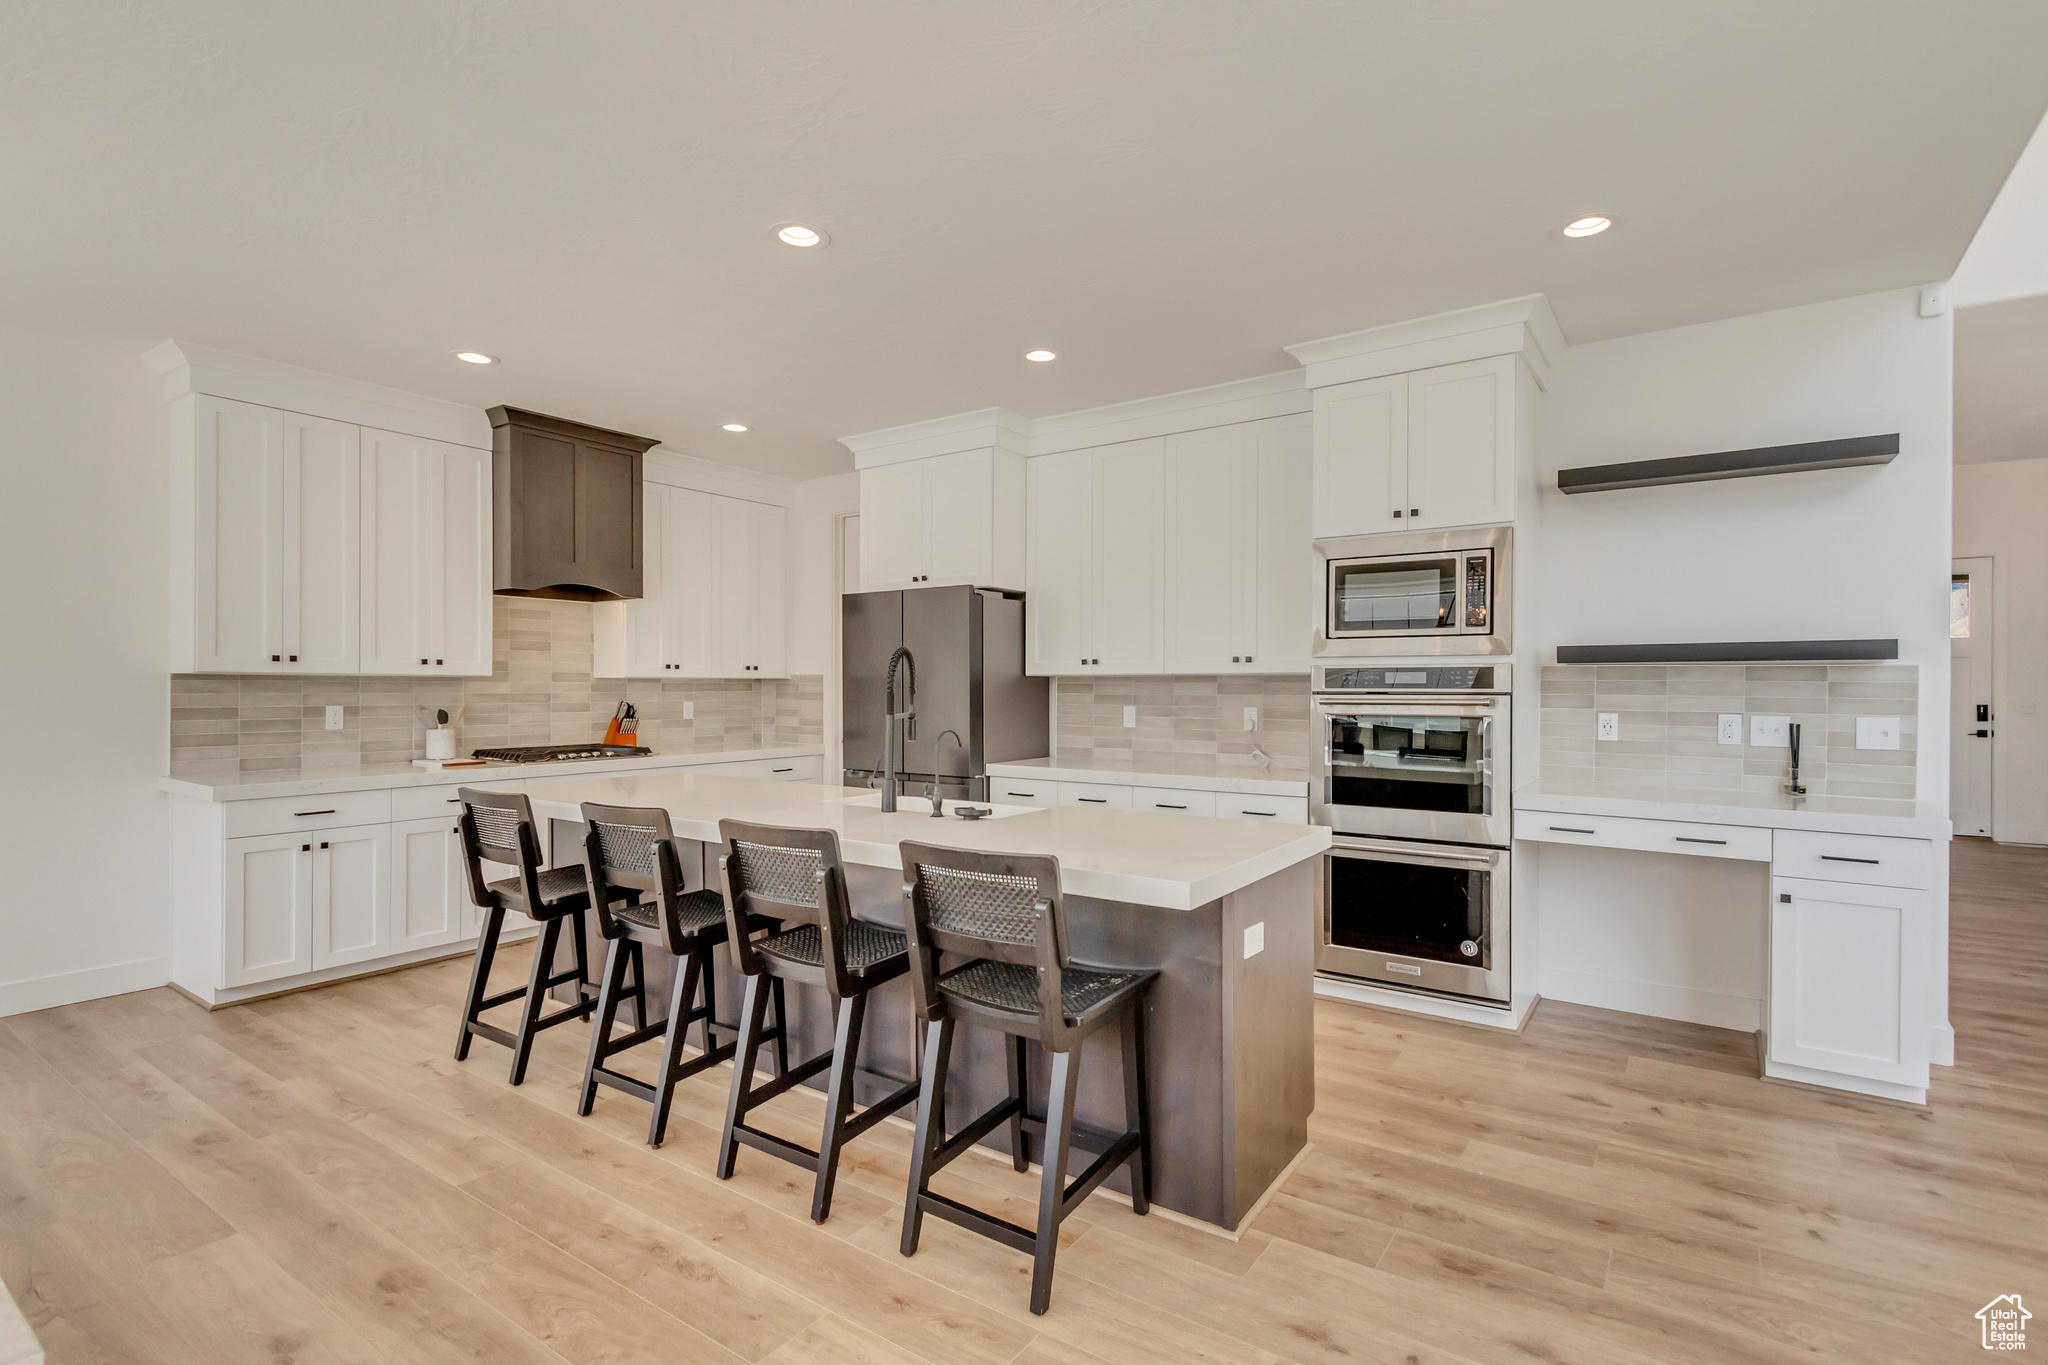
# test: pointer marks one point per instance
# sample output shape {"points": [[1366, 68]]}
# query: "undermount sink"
{"points": [[919, 805]]}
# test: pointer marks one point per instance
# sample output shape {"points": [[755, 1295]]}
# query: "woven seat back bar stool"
{"points": [[1004, 914], [498, 827], [794, 877], [636, 883]]}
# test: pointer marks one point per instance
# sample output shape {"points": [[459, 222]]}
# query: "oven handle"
{"points": [[1414, 852]]}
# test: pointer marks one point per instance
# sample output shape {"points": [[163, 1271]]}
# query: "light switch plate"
{"points": [[334, 719], [1731, 728], [689, 710], [1770, 732], [1255, 939], [1130, 718], [1877, 732], [1610, 725], [1251, 717]]}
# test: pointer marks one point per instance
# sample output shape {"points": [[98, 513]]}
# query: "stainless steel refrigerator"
{"points": [[968, 648]]}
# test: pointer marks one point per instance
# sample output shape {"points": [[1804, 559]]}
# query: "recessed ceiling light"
{"points": [[796, 234], [735, 426], [476, 357], [1041, 356], [1586, 227]]}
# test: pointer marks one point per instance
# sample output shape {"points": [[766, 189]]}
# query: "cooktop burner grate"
{"points": [[558, 753]]}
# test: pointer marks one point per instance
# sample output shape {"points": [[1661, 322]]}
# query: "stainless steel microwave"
{"points": [[1438, 593]]}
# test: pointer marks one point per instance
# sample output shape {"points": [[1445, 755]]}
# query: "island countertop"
{"points": [[1176, 862]]}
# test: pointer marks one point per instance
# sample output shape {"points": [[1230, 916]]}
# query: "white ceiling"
{"points": [[1165, 193], [2001, 393]]}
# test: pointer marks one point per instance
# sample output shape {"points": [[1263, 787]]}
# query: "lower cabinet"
{"points": [[306, 900], [351, 895], [430, 902], [1849, 979]]}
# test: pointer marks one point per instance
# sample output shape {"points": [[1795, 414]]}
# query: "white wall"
{"points": [[1837, 554], [2001, 510], [2005, 259], [84, 671], [814, 592]]}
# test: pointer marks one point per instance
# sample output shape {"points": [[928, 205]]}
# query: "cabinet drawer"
{"points": [[1095, 795], [803, 769], [1278, 810], [421, 803], [1862, 858], [289, 814], [1170, 801], [1023, 791], [1744, 842]]}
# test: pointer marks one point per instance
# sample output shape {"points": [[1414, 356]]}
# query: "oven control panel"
{"points": [[1478, 678]]}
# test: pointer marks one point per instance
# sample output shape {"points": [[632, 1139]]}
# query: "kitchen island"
{"points": [[1223, 909]]}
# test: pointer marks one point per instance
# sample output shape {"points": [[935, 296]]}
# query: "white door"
{"points": [[732, 585], [398, 503], [767, 631], [429, 887], [269, 929], [1849, 990], [465, 598], [322, 544], [1461, 444], [687, 589], [1212, 517], [1060, 526], [1288, 590], [351, 895], [1128, 614], [238, 538], [894, 550], [959, 511], [1972, 727], [1361, 457]]}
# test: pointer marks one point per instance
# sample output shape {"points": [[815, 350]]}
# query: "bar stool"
{"points": [[1005, 914], [630, 851], [794, 876], [498, 827]]}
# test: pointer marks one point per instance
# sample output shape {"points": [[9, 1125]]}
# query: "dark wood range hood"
{"points": [[565, 514]]}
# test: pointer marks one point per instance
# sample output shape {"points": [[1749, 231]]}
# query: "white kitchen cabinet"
{"points": [[1096, 571], [430, 903], [714, 592], [1849, 993], [956, 518], [268, 898], [426, 557], [1421, 451], [265, 540], [748, 590], [1240, 578], [351, 895]]}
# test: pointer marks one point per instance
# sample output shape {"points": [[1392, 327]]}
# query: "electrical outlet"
{"points": [[1770, 732], [1731, 728], [1251, 717], [334, 719], [1610, 725], [1254, 939], [1877, 732], [1130, 718], [689, 710]]}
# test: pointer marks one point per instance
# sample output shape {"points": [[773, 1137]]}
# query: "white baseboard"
{"points": [[68, 988], [1831, 1080], [1660, 1001], [1412, 1002], [1941, 1045]]}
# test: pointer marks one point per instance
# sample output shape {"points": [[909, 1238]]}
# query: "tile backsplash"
{"points": [[540, 691], [1669, 724], [1183, 715]]}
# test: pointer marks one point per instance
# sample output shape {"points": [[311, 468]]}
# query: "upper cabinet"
{"points": [[956, 518], [1417, 452], [426, 556], [715, 592], [1094, 600]]}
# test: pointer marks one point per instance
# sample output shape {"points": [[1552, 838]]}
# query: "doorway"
{"points": [[1971, 715]]}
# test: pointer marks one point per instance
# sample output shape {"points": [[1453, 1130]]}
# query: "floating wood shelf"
{"points": [[1740, 652], [1731, 464]]}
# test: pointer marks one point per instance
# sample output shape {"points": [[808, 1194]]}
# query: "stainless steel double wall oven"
{"points": [[1414, 783]]}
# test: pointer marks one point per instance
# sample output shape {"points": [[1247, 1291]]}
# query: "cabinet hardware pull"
{"points": [[1234, 659], [1161, 805], [1397, 512], [1415, 511], [1571, 829], [312, 812], [1020, 793], [1267, 813], [782, 770], [1784, 899], [1831, 858], [423, 662], [454, 800], [1684, 840], [323, 843], [1094, 800], [1247, 658], [439, 663], [294, 659], [305, 848], [275, 658]]}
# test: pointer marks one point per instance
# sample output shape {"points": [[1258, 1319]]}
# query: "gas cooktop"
{"points": [[561, 753]]}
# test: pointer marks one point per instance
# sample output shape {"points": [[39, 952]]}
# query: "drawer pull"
{"points": [[1094, 800], [782, 770], [1269, 814], [1161, 805], [1833, 858], [1686, 839], [1571, 829], [1026, 795], [454, 800], [303, 813]]}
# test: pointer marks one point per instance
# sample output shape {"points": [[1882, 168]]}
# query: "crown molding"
{"points": [[1215, 405], [1521, 326], [189, 368], [997, 427], [666, 465]]}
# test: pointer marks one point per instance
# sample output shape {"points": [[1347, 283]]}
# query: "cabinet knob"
{"points": [[1397, 513], [305, 848], [276, 658], [1234, 659], [437, 663], [1415, 511], [422, 661], [294, 658], [323, 843], [1247, 658]]}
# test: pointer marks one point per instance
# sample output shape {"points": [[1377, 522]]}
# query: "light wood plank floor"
{"points": [[313, 1180]]}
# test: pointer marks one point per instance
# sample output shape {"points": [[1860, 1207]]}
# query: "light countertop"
{"points": [[1183, 772], [228, 785], [1177, 862], [1921, 826]]}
